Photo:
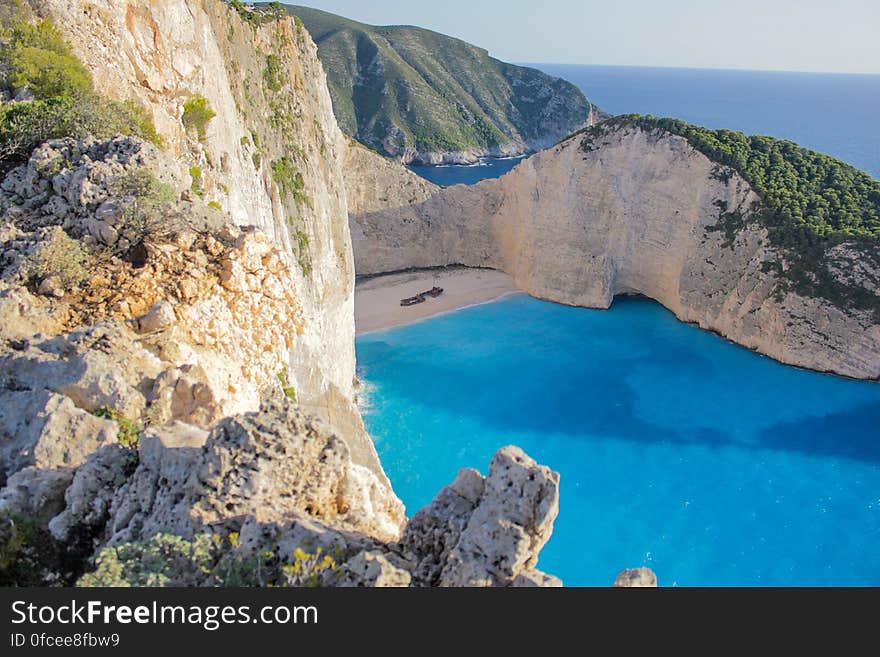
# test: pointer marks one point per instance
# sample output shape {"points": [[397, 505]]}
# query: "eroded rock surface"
{"points": [[636, 578], [283, 480], [264, 465]]}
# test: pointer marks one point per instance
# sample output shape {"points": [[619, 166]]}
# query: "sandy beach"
{"points": [[377, 300]]}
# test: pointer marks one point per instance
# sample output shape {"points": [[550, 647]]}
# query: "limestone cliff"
{"points": [[374, 184], [639, 214], [271, 158]]}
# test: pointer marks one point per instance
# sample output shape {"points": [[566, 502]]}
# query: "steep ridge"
{"points": [[636, 212], [419, 96], [271, 157]]}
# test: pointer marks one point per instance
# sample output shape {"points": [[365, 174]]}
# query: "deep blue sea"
{"points": [[831, 113], [446, 176], [678, 450]]}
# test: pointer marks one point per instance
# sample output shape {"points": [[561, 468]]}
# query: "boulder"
{"points": [[636, 578], [160, 317], [486, 532], [44, 429], [266, 465], [35, 494]]}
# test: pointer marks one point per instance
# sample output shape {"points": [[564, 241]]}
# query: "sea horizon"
{"points": [[538, 65], [791, 105]]}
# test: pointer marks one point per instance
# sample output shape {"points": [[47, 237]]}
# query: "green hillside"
{"points": [[399, 89]]}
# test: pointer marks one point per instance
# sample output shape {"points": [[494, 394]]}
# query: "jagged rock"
{"points": [[102, 366], [511, 523], [160, 317], [158, 496], [66, 183], [434, 531], [373, 570], [265, 465], [43, 429], [486, 532], [86, 502], [35, 494], [285, 482], [636, 578]]}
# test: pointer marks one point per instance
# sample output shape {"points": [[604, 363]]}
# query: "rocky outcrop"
{"points": [[636, 578], [284, 481], [195, 330], [486, 531], [266, 466], [271, 158], [639, 214]]}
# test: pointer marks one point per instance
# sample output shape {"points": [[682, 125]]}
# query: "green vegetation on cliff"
{"points": [[397, 88], [169, 560], [811, 203], [53, 91], [803, 187], [257, 15]]}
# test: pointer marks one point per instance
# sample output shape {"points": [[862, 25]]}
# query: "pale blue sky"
{"points": [[783, 35]]}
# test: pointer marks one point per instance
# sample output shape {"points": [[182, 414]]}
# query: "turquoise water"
{"points": [[678, 450]]}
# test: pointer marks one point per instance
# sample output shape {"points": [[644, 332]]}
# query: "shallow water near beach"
{"points": [[679, 451]]}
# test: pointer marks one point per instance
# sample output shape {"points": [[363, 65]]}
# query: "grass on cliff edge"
{"points": [[811, 203]]}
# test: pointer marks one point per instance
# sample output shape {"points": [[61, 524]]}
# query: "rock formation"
{"points": [[639, 214], [281, 480], [486, 532], [636, 578], [271, 158]]}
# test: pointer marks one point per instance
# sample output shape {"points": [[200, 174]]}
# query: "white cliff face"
{"points": [[374, 184], [165, 52], [632, 217]]}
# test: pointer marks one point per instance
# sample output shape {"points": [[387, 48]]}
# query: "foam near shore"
{"points": [[377, 300]]}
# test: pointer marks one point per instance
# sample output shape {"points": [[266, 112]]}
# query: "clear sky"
{"points": [[781, 35]]}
